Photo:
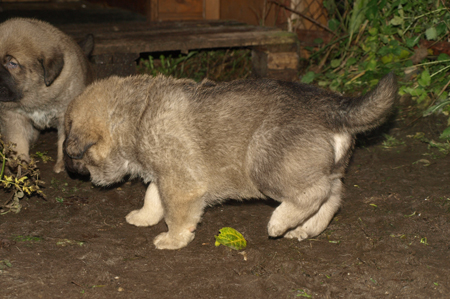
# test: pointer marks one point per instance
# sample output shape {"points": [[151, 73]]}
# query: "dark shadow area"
{"points": [[67, 12]]}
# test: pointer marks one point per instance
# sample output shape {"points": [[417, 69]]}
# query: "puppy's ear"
{"points": [[52, 66], [75, 147], [87, 44]]}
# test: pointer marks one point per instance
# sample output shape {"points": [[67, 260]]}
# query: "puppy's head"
{"points": [[31, 59], [89, 147]]}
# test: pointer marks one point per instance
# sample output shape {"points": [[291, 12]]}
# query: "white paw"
{"points": [[166, 241], [59, 167], [141, 218], [298, 233], [275, 229]]}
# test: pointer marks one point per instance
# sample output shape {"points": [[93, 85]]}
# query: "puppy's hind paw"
{"points": [[166, 241], [297, 233], [276, 228]]}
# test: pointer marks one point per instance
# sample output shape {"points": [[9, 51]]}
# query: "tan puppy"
{"points": [[199, 144], [42, 70]]}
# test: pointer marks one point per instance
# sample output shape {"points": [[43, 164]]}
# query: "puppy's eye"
{"points": [[11, 65]]}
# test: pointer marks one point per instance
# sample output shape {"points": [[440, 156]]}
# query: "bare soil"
{"points": [[390, 239]]}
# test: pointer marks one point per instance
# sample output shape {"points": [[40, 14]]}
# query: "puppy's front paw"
{"points": [[59, 167], [142, 218], [166, 241], [298, 233]]}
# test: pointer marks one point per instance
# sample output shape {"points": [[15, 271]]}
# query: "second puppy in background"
{"points": [[42, 70]]}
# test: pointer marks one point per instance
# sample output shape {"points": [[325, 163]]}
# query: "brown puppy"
{"points": [[42, 70], [199, 144]]}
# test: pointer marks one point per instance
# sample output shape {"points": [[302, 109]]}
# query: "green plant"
{"points": [[25, 180], [43, 156], [442, 147], [374, 37], [4, 264], [218, 65], [167, 65], [27, 239], [391, 142], [301, 293]]}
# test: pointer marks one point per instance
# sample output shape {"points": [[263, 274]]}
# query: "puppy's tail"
{"points": [[370, 110]]}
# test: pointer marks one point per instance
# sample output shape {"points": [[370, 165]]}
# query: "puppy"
{"points": [[199, 144], [42, 70]]}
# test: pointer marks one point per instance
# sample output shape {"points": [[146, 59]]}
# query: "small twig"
{"points": [[441, 70], [361, 31], [304, 16], [19, 171], [333, 42], [429, 63], [356, 77], [324, 59], [3, 163], [421, 16], [443, 89], [76, 284]]}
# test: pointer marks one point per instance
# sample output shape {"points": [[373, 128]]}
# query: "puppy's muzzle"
{"points": [[8, 90], [75, 166]]}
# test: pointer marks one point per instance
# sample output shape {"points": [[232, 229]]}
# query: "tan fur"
{"points": [[42, 70], [199, 144]]}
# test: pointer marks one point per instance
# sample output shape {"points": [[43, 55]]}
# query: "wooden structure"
{"points": [[118, 45], [163, 10]]}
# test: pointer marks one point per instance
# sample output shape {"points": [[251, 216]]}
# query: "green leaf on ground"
{"points": [[67, 242], [308, 77], [425, 78], [231, 238], [445, 134], [431, 33]]}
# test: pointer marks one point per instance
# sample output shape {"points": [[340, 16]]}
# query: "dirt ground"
{"points": [[390, 239]]}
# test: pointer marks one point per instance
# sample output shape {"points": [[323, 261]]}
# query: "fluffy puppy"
{"points": [[42, 70], [199, 144]]}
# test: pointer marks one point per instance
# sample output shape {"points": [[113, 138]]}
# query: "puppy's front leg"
{"points": [[59, 166], [151, 213], [18, 129], [183, 210]]}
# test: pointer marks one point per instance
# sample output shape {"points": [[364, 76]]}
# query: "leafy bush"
{"points": [[25, 180], [374, 37]]}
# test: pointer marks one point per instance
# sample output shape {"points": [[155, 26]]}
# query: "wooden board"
{"points": [[172, 36], [179, 10]]}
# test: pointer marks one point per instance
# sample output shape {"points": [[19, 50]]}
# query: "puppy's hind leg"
{"points": [[151, 213], [318, 222], [298, 207]]}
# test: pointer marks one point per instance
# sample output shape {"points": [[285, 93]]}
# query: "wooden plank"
{"points": [[115, 33], [173, 36], [192, 42], [212, 9], [152, 12], [163, 27], [163, 10], [180, 7]]}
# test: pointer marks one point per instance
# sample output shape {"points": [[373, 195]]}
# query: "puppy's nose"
{"points": [[5, 94], [74, 166]]}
